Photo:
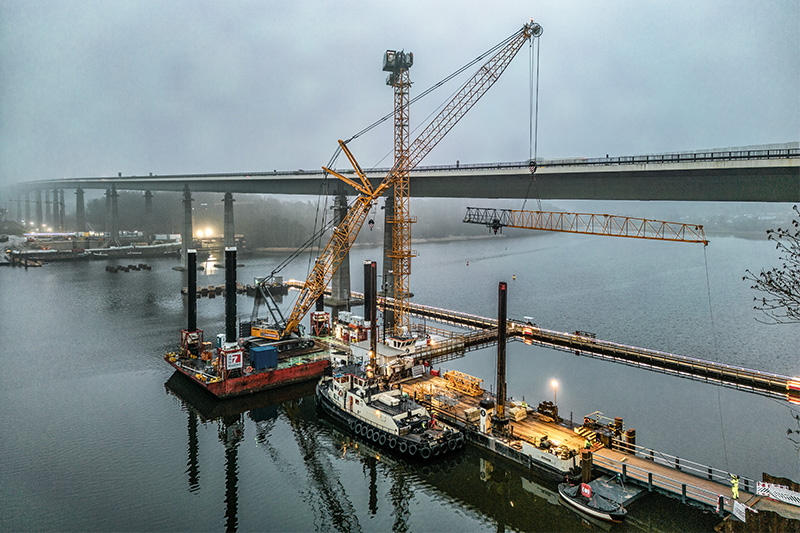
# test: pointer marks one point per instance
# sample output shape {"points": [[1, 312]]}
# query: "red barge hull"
{"points": [[259, 381]]}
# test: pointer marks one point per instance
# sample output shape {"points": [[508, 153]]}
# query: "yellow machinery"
{"points": [[464, 383], [586, 223], [406, 159]]}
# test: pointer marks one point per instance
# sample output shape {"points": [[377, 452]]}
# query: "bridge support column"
{"points": [[387, 285], [19, 208], [61, 210], [27, 210], [107, 225], [54, 220], [48, 218], [228, 236], [114, 237], [148, 216], [186, 237], [340, 284], [80, 210], [39, 218]]}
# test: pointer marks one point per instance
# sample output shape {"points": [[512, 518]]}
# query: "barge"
{"points": [[238, 365]]}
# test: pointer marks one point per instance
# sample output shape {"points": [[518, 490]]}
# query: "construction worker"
{"points": [[587, 445], [735, 486]]}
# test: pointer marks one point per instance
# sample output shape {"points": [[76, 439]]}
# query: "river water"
{"points": [[95, 435]]}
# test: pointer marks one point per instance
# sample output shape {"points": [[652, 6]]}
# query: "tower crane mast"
{"points": [[346, 232]]}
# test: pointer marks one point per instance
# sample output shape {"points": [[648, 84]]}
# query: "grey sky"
{"points": [[92, 88]]}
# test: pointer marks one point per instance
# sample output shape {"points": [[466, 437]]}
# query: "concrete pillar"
{"points": [[114, 215], [19, 208], [148, 216], [107, 226], [340, 284], [48, 218], [39, 218], [80, 210], [387, 284], [61, 210], [27, 209], [186, 236], [54, 220], [228, 239]]}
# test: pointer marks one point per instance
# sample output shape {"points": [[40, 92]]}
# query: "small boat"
{"points": [[587, 501], [388, 418]]}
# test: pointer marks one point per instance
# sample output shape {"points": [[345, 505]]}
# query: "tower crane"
{"points": [[586, 223], [406, 159]]}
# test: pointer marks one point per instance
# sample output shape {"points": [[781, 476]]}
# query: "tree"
{"points": [[781, 286]]}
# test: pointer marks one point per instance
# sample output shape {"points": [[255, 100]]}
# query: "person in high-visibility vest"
{"points": [[735, 486]]}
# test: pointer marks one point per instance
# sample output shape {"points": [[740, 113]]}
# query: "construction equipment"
{"points": [[586, 223], [406, 159]]}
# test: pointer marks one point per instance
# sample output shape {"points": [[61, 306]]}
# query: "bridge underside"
{"points": [[730, 185], [776, 180]]}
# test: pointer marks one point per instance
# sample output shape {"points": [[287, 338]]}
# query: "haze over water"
{"points": [[93, 440]]}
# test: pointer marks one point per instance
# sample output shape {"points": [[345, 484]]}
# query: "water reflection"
{"points": [[229, 416]]}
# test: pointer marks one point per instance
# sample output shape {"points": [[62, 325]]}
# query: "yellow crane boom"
{"points": [[586, 223], [346, 232]]}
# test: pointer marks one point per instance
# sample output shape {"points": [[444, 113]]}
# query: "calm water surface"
{"points": [[97, 436]]}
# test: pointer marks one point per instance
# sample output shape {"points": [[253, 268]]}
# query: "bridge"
{"points": [[747, 175]]}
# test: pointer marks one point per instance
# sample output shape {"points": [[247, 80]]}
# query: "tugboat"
{"points": [[388, 418], [587, 501]]}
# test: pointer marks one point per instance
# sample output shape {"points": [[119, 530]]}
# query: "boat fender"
{"points": [[352, 425], [392, 443], [375, 435], [452, 444], [368, 433], [425, 452], [412, 449], [358, 429], [382, 439], [403, 447]]}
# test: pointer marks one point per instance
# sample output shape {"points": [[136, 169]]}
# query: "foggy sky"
{"points": [[92, 88]]}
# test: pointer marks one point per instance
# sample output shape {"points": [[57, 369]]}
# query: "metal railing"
{"points": [[653, 481], [674, 462]]}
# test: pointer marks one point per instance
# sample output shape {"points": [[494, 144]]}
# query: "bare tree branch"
{"points": [[780, 286]]}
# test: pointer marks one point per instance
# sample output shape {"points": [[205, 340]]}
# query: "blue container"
{"points": [[262, 357]]}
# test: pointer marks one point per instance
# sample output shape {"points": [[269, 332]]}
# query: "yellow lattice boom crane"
{"points": [[346, 232], [586, 223]]}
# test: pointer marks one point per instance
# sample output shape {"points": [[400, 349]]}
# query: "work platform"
{"points": [[649, 470]]}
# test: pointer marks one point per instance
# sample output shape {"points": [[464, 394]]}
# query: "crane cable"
{"points": [[716, 348], [437, 85], [533, 124]]}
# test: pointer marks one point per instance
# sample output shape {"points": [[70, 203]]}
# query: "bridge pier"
{"points": [[54, 219], [148, 216], [186, 237], [61, 210], [27, 210], [39, 219], [107, 225], [340, 284], [80, 210], [19, 208], [111, 201], [229, 237], [47, 218]]}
